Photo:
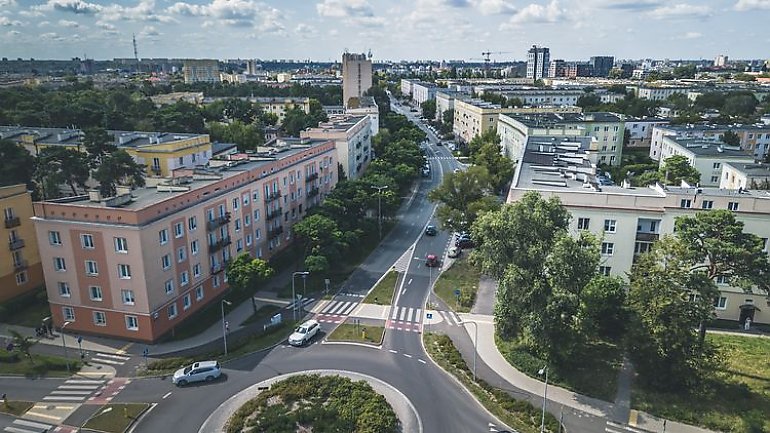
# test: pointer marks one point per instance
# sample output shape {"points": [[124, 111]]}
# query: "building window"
{"points": [[54, 238], [215, 281], [128, 297], [68, 313], [256, 215], [717, 165], [91, 268], [235, 204], [707, 204], [21, 278], [685, 203], [723, 279], [124, 272], [238, 224], [246, 220], [245, 199], [583, 223], [163, 236], [192, 223], [257, 234], [733, 205], [178, 230], [121, 245], [169, 287], [186, 301], [95, 293], [714, 179], [720, 303], [608, 248], [248, 240], [132, 323], [181, 254], [171, 310], [239, 245], [199, 293], [100, 319], [610, 225], [605, 270], [194, 247], [64, 289], [184, 278], [197, 270], [87, 241], [165, 261]]}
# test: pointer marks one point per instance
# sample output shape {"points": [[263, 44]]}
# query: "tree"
{"points": [[429, 109], [15, 164], [730, 138], [118, 168], [61, 165], [23, 344], [499, 166], [322, 238], [677, 168], [463, 196], [98, 143], [588, 101], [245, 273]]}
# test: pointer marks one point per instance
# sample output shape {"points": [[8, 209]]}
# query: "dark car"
{"points": [[439, 144], [431, 231], [464, 243]]}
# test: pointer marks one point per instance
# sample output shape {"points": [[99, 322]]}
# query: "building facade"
{"points": [[754, 139], [640, 130], [201, 71], [356, 76], [422, 91], [20, 269], [352, 136], [538, 61], [602, 65], [136, 268], [705, 156], [365, 106], [745, 176]]}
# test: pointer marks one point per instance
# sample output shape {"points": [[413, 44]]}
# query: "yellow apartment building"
{"points": [[20, 269]]}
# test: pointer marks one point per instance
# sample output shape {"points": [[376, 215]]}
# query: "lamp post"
{"points": [[379, 206], [544, 371], [293, 295], [475, 343], [64, 344], [224, 323]]}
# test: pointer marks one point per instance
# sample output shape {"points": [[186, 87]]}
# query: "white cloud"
{"points": [[105, 26], [344, 8], [692, 35], [13, 33], [143, 11], [493, 7], [535, 13], [72, 6], [747, 5], [31, 13], [149, 31], [7, 22], [43, 23], [7, 3], [52, 36], [681, 10], [70, 24], [236, 13]]}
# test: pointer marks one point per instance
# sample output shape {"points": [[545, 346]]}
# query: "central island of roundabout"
{"points": [[316, 400]]}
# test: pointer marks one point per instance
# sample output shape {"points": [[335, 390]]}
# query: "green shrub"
{"points": [[168, 364]]}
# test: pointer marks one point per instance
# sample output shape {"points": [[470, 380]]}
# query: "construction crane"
{"points": [[485, 55]]}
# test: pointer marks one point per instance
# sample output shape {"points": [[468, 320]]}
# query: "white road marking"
{"points": [[418, 315], [165, 396], [70, 392], [421, 361], [395, 313], [409, 315], [409, 282], [403, 311], [407, 355], [392, 351], [403, 291]]}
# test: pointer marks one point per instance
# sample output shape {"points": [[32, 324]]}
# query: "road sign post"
{"points": [[145, 353], [429, 316], [80, 347], [457, 298]]}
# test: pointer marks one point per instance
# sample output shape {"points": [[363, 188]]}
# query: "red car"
{"points": [[431, 261]]}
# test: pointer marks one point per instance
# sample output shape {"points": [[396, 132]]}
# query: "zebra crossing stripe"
{"points": [[63, 398], [99, 360], [347, 310], [418, 315], [395, 313], [403, 311], [107, 355], [85, 381], [329, 306], [409, 314], [71, 392]]}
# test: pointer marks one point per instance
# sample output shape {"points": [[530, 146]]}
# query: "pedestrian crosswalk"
{"points": [[614, 427], [336, 311], [301, 304], [74, 390], [445, 158], [450, 317], [404, 319], [25, 426], [108, 358]]}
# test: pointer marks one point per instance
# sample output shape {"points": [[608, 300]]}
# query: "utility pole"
{"points": [[379, 205]]}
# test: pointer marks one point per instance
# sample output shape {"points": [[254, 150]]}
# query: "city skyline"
{"points": [[422, 29]]}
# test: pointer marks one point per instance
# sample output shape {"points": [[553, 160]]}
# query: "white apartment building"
{"points": [[356, 76], [422, 91], [754, 139], [745, 176], [352, 136], [445, 100], [365, 106], [201, 71], [640, 130], [706, 156], [406, 87]]}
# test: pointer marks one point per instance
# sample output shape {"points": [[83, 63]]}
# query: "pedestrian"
{"points": [[747, 324], [5, 400]]}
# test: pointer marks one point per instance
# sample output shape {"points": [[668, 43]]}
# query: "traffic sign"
{"points": [[429, 315], [457, 292], [80, 339]]}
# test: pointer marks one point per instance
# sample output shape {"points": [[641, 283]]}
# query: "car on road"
{"points": [[425, 172], [454, 252], [431, 230], [432, 261], [304, 333], [439, 144], [464, 243], [204, 371]]}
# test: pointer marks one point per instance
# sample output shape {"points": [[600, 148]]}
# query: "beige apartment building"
{"points": [[356, 76], [629, 220], [201, 71], [20, 269], [136, 265], [353, 137], [745, 176]]}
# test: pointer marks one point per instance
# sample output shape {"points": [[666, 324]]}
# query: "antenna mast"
{"points": [[136, 53]]}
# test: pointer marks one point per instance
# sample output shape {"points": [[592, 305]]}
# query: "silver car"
{"points": [[204, 371]]}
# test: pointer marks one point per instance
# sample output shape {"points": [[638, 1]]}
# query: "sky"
{"points": [[322, 30]]}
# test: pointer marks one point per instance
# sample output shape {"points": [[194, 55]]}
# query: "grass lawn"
{"points": [[463, 276], [116, 417], [594, 372], [349, 332], [16, 408], [26, 310], [518, 414], [263, 312], [738, 398], [40, 365], [382, 294]]}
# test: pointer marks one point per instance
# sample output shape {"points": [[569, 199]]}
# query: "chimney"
{"points": [[94, 195]]}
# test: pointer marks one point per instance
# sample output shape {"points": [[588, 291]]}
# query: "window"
{"points": [[717, 165], [121, 245], [186, 301], [235, 204], [64, 289], [194, 247], [686, 203], [124, 272], [68, 313], [720, 303], [95, 293], [192, 223], [181, 254], [169, 287], [610, 225], [199, 293], [132, 323], [21, 278], [87, 241], [605, 270], [583, 223], [128, 297], [245, 199], [733, 205], [215, 281], [608, 248], [197, 270], [714, 179], [54, 238], [100, 319], [178, 230], [171, 310], [237, 224], [248, 240], [91, 268], [707, 204], [239, 245], [184, 278], [723, 279], [256, 215], [165, 261], [163, 236]]}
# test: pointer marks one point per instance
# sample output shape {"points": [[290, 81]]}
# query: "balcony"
{"points": [[311, 177], [274, 233], [312, 192], [218, 245], [16, 244], [272, 196], [647, 237], [274, 214], [19, 265], [12, 222], [218, 221], [217, 268]]}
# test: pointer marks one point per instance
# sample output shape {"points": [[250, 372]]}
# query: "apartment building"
{"points": [[365, 106], [20, 269], [630, 220], [640, 130], [160, 152], [352, 136], [706, 156], [280, 105], [422, 92], [445, 101], [137, 265], [606, 128], [538, 61], [356, 76], [745, 176], [406, 87], [754, 139], [200, 71]]}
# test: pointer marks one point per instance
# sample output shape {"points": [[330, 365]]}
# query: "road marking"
{"points": [[407, 355], [63, 398], [124, 349], [418, 315], [107, 355], [421, 361], [32, 424], [70, 392], [85, 381], [166, 395], [403, 291], [403, 311], [78, 387], [392, 351], [409, 315], [43, 415], [395, 312], [409, 282]]}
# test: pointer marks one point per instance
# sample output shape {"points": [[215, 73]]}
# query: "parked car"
{"points": [[439, 144], [304, 333], [425, 172], [431, 230], [464, 243], [454, 252], [204, 371], [431, 261]]}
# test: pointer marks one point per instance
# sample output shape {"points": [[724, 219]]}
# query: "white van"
{"points": [[304, 333]]}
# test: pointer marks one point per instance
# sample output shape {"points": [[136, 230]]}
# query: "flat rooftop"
{"points": [[535, 120], [751, 169], [701, 127], [711, 148], [73, 137]]}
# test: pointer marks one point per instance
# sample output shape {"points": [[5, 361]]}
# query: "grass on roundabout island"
{"points": [[115, 417], [357, 333], [382, 294], [15, 407], [463, 276]]}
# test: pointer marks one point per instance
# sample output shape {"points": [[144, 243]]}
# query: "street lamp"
{"points": [[379, 205], [475, 343], [544, 371], [64, 343], [293, 295], [224, 323]]}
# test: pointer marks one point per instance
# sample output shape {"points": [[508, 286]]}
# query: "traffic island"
{"points": [[358, 331], [382, 293], [15, 407], [115, 418], [457, 286]]}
